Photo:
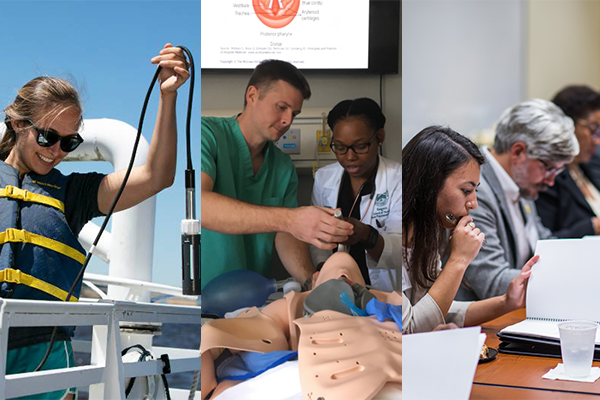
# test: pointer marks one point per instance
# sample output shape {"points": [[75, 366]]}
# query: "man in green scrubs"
{"points": [[249, 187]]}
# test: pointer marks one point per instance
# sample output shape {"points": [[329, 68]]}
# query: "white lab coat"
{"points": [[385, 208]]}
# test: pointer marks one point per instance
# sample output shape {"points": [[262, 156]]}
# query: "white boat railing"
{"points": [[106, 374], [129, 252]]}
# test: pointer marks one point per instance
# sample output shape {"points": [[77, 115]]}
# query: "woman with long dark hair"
{"points": [[441, 175]]}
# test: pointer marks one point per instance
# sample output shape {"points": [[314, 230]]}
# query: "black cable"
{"points": [[190, 235], [124, 183], [144, 356], [108, 215], [167, 392], [189, 109]]}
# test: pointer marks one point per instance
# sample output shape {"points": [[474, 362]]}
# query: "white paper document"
{"points": [[563, 286], [440, 365]]}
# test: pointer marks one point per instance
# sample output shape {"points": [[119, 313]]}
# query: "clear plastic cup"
{"points": [[577, 342]]}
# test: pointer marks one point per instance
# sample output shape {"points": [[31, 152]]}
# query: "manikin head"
{"points": [[339, 264]]}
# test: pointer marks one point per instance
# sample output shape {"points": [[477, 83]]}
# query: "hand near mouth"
{"points": [[466, 240], [452, 219]]}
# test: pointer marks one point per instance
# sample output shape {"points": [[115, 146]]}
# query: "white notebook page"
{"points": [[565, 282]]}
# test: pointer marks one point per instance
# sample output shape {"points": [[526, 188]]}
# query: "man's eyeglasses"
{"points": [[359, 148], [550, 170], [593, 128], [47, 138]]}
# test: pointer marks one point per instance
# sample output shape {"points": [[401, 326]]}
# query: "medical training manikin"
{"points": [[340, 356]]}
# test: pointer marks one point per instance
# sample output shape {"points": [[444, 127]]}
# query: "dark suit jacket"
{"points": [[495, 266], [563, 208], [592, 168]]}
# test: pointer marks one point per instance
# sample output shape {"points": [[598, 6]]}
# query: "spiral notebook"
{"points": [[563, 286]]}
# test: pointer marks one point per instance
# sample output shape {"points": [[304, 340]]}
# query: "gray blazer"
{"points": [[495, 266]]}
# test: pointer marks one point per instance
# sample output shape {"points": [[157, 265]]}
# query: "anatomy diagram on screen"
{"points": [[276, 13]]}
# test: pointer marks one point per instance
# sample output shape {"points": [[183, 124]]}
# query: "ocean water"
{"points": [[185, 336]]}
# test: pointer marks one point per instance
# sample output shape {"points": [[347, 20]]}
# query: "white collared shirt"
{"points": [[384, 213], [525, 232]]}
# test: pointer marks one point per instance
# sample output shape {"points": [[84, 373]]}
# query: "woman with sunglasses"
{"points": [[571, 208], [367, 188], [442, 172], [42, 210]]}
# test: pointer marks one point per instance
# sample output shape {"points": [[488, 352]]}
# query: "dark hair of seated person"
{"points": [[428, 160]]}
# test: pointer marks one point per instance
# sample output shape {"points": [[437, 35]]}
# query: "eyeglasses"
{"points": [[359, 148], [593, 128], [550, 170], [47, 138]]}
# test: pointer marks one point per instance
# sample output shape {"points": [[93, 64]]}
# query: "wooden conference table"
{"points": [[512, 376]]}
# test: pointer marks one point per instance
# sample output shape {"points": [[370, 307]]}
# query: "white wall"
{"points": [[462, 63], [226, 91]]}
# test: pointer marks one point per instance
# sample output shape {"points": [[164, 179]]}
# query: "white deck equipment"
{"points": [[128, 249]]}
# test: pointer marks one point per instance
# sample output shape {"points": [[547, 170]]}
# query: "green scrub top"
{"points": [[226, 159]]}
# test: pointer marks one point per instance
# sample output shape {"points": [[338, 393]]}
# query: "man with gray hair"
{"points": [[534, 141]]}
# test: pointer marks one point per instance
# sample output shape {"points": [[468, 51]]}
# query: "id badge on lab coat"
{"points": [[382, 205]]}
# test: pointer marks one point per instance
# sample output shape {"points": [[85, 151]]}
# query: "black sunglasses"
{"points": [[46, 138]]}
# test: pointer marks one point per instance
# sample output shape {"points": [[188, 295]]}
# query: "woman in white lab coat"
{"points": [[367, 188]]}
